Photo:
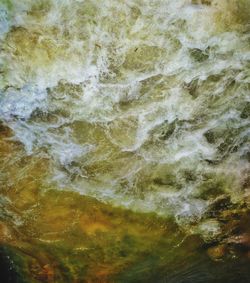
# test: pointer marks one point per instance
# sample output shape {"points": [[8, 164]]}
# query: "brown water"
{"points": [[124, 141]]}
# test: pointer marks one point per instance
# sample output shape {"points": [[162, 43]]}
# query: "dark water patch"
{"points": [[192, 87], [246, 111], [163, 131], [199, 55], [204, 2], [227, 139], [11, 266], [210, 136], [212, 186], [182, 266], [206, 271]]}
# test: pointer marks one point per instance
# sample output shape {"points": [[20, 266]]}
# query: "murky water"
{"points": [[124, 140]]}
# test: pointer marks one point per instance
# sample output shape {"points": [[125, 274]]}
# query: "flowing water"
{"points": [[125, 140]]}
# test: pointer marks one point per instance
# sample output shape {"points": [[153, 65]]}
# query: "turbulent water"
{"points": [[140, 104]]}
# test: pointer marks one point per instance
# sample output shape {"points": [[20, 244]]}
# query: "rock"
{"points": [[217, 252]]}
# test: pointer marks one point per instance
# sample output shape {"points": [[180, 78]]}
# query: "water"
{"points": [[142, 105]]}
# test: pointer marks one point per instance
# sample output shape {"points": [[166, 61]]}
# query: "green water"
{"points": [[124, 140]]}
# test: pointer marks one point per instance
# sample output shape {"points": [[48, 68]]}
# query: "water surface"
{"points": [[124, 140]]}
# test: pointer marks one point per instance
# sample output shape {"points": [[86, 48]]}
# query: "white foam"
{"points": [[185, 71]]}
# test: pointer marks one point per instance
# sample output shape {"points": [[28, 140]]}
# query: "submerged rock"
{"points": [[217, 252]]}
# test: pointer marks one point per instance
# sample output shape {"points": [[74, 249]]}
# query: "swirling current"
{"points": [[142, 105]]}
